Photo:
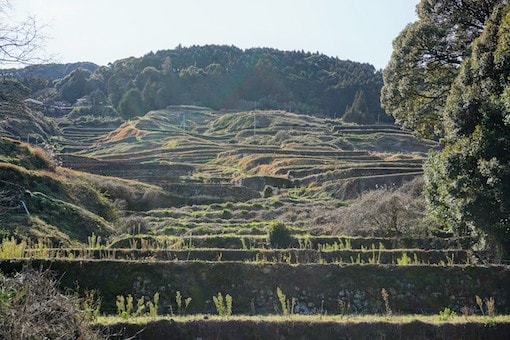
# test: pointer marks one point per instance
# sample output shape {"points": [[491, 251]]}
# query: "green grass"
{"points": [[347, 318]]}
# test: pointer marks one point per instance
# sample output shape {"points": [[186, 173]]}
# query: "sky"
{"points": [[102, 31]]}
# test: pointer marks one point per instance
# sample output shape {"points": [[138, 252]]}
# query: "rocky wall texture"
{"points": [[327, 288]]}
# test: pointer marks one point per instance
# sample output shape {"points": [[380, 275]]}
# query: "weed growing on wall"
{"points": [[446, 314], [490, 306], [386, 299], [178, 300], [126, 308], [286, 305], [223, 306]]}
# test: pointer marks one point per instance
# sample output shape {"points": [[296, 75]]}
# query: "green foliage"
{"points": [[279, 235], [90, 304], [228, 77], [425, 89], [76, 85], [286, 305], [283, 301], [446, 314], [468, 181], [405, 260], [126, 306], [425, 61], [361, 112], [223, 306], [131, 104], [11, 249], [340, 245], [94, 241], [178, 300]]}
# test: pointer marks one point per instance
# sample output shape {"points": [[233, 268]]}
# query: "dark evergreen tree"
{"points": [[426, 59], [75, 85], [131, 105], [468, 183], [359, 112]]}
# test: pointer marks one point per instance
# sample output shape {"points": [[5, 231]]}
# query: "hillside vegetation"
{"points": [[211, 180], [220, 77]]}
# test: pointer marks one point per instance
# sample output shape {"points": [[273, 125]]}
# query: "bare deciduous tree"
{"points": [[20, 41], [385, 212]]}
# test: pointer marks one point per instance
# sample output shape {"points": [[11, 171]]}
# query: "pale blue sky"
{"points": [[103, 31]]}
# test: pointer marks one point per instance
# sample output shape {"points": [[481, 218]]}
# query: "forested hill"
{"points": [[226, 77], [47, 71]]}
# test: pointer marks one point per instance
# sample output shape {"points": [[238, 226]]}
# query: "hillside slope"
{"points": [[41, 200], [245, 160]]}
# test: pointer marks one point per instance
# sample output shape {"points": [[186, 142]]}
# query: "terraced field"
{"points": [[196, 152], [214, 188], [317, 277]]}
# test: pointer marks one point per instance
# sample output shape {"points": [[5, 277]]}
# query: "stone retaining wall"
{"points": [[328, 287]]}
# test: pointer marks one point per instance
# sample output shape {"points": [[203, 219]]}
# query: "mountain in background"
{"points": [[47, 71], [219, 77]]}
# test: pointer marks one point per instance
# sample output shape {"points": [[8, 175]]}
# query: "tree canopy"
{"points": [[426, 58], [458, 87], [226, 77]]}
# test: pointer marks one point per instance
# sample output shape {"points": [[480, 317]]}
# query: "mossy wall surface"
{"points": [[328, 287]]}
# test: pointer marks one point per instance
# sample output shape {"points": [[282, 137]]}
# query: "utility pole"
{"points": [[183, 123]]}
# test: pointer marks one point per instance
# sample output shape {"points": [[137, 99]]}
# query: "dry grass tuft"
{"points": [[32, 307]]}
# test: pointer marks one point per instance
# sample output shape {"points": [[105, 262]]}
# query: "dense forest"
{"points": [[220, 77]]}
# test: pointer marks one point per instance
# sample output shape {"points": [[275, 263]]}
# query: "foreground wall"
{"points": [[327, 288]]}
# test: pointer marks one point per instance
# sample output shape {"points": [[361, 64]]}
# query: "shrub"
{"points": [[386, 212], [279, 236], [31, 307], [133, 225]]}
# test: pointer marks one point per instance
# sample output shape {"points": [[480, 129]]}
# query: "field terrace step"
{"points": [[364, 131], [79, 136], [347, 127], [306, 242], [351, 188], [332, 288], [174, 154], [128, 170], [302, 153], [85, 131], [203, 193], [314, 169], [290, 256], [356, 172]]}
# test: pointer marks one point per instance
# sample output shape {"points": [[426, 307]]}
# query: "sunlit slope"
{"points": [[189, 144]]}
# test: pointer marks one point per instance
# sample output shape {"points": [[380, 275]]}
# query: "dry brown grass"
{"points": [[32, 307], [126, 130]]}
